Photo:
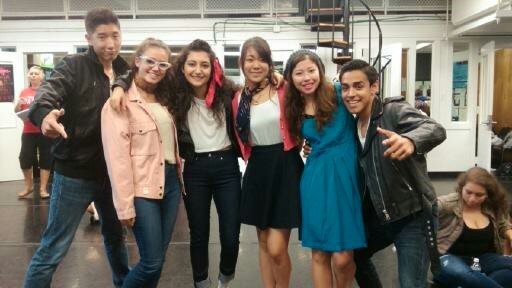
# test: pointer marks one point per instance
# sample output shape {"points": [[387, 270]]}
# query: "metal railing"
{"points": [[13, 9]]}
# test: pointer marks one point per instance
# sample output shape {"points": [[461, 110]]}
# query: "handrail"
{"points": [[380, 34]]}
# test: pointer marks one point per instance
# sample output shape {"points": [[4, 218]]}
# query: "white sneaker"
{"points": [[222, 285]]}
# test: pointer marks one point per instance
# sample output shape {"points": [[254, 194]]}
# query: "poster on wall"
{"points": [[6, 83], [460, 79]]}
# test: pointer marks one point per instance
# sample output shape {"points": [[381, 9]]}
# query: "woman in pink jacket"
{"points": [[141, 152]]}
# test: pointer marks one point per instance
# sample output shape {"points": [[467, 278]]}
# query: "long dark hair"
{"points": [[496, 194], [325, 96], [185, 93], [263, 49], [162, 89]]}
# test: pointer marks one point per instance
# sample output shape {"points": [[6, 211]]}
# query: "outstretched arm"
{"points": [[51, 98], [424, 132]]}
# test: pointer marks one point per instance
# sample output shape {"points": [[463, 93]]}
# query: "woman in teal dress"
{"points": [[332, 223]]}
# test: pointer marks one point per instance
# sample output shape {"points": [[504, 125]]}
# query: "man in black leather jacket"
{"points": [[398, 198], [79, 85]]}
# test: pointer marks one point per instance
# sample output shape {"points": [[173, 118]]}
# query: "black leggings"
{"points": [[31, 144]]}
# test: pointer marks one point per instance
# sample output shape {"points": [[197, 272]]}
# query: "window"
{"points": [[231, 59], [422, 84], [460, 81]]}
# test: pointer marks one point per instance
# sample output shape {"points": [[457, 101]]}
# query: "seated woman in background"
{"points": [[473, 224]]}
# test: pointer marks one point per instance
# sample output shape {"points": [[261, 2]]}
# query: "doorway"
{"points": [[501, 153]]}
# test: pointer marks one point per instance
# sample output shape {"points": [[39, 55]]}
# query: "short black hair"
{"points": [[100, 16], [363, 66]]}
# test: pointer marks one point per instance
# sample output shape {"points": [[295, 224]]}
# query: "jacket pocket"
{"points": [[144, 139]]}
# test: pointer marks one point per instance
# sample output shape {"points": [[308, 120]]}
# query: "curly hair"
{"points": [[325, 96], [496, 194], [163, 87], [184, 93]]}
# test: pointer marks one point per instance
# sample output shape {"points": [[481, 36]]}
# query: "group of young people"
{"points": [[172, 130]]}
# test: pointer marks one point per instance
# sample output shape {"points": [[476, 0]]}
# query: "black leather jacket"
{"points": [[79, 85], [398, 189]]}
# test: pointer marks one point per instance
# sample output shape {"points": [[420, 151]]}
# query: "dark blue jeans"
{"points": [[456, 272], [154, 223], [69, 200], [410, 239], [213, 175]]}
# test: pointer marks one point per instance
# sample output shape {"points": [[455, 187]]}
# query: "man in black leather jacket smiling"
{"points": [[398, 198]]}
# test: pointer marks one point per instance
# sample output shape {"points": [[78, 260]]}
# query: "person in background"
{"points": [[332, 220], [33, 142], [68, 107], [473, 224], [137, 142], [270, 187]]}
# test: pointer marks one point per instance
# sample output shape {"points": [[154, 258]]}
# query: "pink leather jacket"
{"points": [[288, 142], [134, 153]]}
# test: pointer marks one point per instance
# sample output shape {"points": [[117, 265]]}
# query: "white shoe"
{"points": [[222, 285]]}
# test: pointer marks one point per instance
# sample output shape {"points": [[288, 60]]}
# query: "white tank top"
{"points": [[265, 122]]}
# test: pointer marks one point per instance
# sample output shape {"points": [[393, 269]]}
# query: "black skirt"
{"points": [[270, 188]]}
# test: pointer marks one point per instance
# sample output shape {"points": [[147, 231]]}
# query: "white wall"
{"points": [[466, 10], [52, 36], [10, 125]]}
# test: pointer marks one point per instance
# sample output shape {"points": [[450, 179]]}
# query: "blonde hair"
{"points": [[36, 67]]}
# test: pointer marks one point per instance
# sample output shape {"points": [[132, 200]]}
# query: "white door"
{"points": [[12, 76], [391, 63], [484, 128]]}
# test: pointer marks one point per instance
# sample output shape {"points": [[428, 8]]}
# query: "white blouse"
{"points": [[208, 135]]}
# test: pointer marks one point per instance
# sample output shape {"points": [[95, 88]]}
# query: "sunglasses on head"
{"points": [[152, 63]]}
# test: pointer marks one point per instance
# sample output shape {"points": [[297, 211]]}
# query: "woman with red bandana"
{"points": [[207, 140]]}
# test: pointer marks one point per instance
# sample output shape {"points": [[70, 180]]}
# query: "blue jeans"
{"points": [[456, 272], [69, 200], [409, 237], [213, 175], [154, 223]]}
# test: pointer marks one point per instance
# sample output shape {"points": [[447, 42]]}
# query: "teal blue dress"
{"points": [[331, 205]]}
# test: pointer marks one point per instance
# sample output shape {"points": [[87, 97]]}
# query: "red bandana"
{"points": [[216, 81]]}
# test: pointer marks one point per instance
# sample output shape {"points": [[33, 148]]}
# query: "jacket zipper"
{"points": [[401, 176], [385, 211]]}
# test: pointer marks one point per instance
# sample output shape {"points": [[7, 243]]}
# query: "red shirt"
{"points": [[26, 98]]}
